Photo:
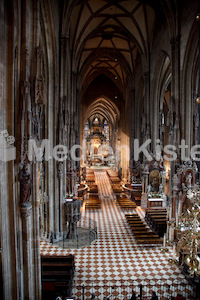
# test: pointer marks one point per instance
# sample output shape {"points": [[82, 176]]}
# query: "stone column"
{"points": [[41, 198], [147, 102], [36, 234], [132, 128], [145, 176], [175, 83], [73, 215], [168, 217], [26, 212], [60, 179], [45, 205], [144, 198]]}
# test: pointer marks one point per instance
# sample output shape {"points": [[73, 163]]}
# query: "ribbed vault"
{"points": [[104, 107], [123, 27]]}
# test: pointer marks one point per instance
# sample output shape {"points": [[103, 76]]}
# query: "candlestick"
{"points": [[164, 241], [174, 251]]}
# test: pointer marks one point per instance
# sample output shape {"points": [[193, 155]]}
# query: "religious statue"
{"points": [[149, 189], [25, 184], [175, 180], [35, 126], [161, 189], [155, 184], [189, 180]]}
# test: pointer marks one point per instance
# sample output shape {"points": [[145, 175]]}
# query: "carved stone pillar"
{"points": [[147, 103], [41, 192], [175, 83], [60, 179], [132, 127], [26, 119], [63, 71], [73, 215], [25, 180], [36, 232], [26, 211], [45, 206], [144, 198]]}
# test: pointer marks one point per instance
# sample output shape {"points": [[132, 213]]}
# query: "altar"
{"points": [[153, 185], [156, 202]]}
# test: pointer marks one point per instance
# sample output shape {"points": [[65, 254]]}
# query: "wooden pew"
{"points": [[115, 180], [117, 189], [93, 202], [113, 176], [93, 189], [125, 203], [157, 219], [142, 234]]}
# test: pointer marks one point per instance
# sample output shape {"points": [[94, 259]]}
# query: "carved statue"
{"points": [[149, 188], [175, 180], [155, 184], [35, 126], [161, 189], [189, 180], [25, 184], [40, 90]]}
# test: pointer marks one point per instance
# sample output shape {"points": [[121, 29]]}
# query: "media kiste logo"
{"points": [[7, 150]]}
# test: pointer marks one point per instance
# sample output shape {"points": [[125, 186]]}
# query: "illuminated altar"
{"points": [[97, 136]]}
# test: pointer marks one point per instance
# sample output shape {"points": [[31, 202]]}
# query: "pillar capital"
{"points": [[25, 209]]}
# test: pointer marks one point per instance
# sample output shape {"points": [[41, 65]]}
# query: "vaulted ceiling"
{"points": [[106, 36], [105, 108]]}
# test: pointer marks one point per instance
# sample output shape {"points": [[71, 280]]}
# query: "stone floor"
{"points": [[115, 259]]}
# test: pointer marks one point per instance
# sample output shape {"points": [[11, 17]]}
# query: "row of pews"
{"points": [[113, 176], [124, 202], [92, 199], [122, 199], [117, 188], [89, 176], [136, 194], [93, 202], [157, 219], [142, 234], [135, 190], [57, 276]]}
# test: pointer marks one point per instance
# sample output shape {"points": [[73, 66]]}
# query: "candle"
{"points": [[164, 241], [195, 223], [170, 233], [174, 251]]}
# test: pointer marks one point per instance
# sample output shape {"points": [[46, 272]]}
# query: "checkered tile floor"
{"points": [[115, 257]]}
